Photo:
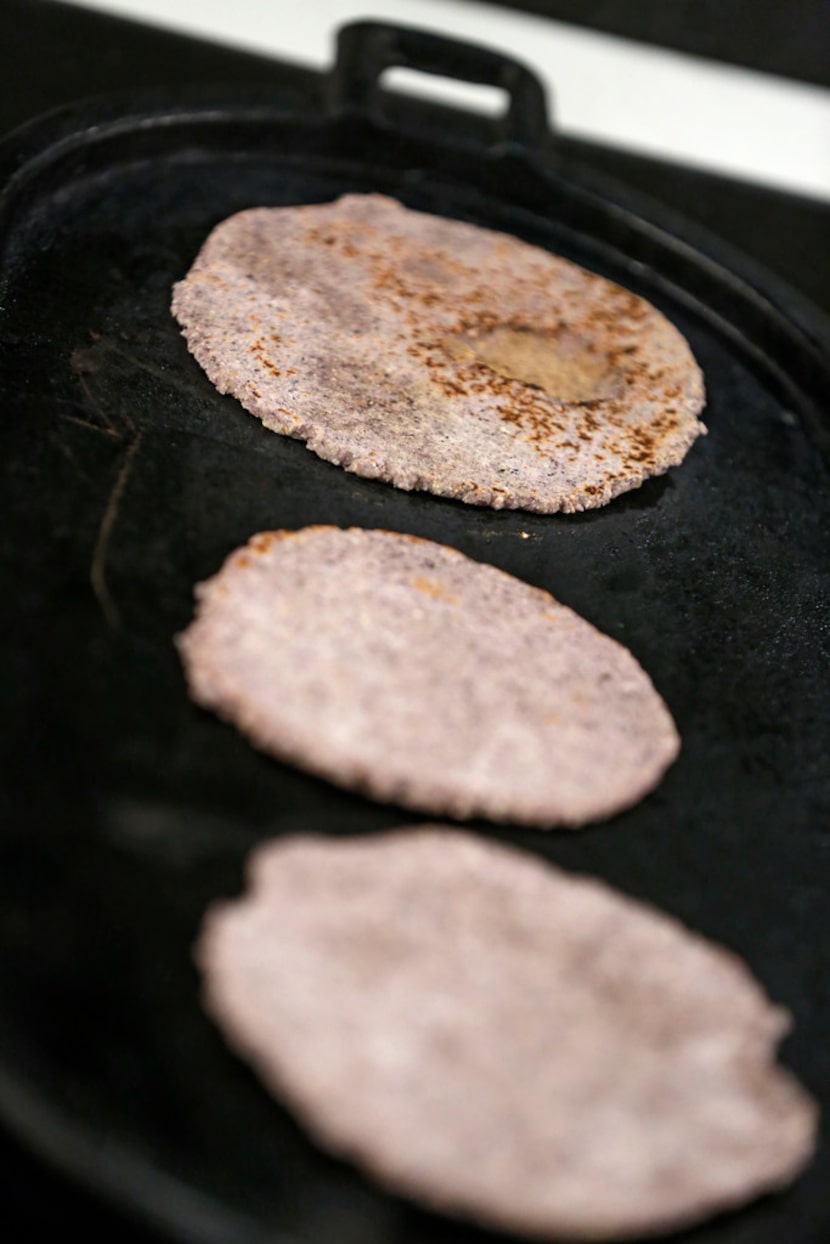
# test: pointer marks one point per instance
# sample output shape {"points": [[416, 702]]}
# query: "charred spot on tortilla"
{"points": [[402, 669], [440, 355], [496, 1039]]}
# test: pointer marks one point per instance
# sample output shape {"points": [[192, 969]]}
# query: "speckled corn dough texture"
{"points": [[400, 668], [499, 1040], [359, 326]]}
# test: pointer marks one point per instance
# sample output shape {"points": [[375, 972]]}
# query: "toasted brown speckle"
{"points": [[446, 332]]}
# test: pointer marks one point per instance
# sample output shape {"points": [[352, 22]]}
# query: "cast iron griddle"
{"points": [[127, 479]]}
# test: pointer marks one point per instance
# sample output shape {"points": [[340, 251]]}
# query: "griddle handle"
{"points": [[366, 49]]}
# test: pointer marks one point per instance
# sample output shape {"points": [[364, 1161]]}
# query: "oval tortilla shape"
{"points": [[499, 1040], [400, 668], [439, 355]]}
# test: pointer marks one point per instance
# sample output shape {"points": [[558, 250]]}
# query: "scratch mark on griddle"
{"points": [[82, 363], [98, 568], [139, 362], [70, 456], [92, 427], [106, 352]]}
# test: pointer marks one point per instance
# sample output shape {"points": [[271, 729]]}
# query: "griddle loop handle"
{"points": [[366, 49]]}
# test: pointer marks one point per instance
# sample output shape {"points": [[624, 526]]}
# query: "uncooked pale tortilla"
{"points": [[439, 355], [499, 1040], [403, 669]]}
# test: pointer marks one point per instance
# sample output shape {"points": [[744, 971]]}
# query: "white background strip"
{"points": [[610, 90]]}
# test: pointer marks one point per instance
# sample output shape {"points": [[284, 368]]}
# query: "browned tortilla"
{"points": [[499, 1040], [439, 355], [403, 669]]}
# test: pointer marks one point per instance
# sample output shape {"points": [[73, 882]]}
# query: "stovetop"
{"points": [[51, 55]]}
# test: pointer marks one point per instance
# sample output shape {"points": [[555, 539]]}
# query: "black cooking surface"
{"points": [[128, 479]]}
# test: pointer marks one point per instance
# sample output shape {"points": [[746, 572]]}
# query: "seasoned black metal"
{"points": [[366, 49], [126, 478]]}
